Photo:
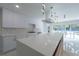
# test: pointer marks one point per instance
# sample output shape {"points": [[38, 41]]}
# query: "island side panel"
{"points": [[24, 50], [59, 49]]}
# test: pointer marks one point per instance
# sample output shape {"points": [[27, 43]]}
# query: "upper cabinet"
{"points": [[12, 19]]}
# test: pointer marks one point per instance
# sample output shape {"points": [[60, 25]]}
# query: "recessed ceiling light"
{"points": [[17, 6]]}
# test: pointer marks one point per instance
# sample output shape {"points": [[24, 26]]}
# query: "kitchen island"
{"points": [[47, 44]]}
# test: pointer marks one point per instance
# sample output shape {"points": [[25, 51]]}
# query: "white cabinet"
{"points": [[9, 43], [12, 19], [0, 44]]}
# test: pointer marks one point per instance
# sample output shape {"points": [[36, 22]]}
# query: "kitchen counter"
{"points": [[43, 44]]}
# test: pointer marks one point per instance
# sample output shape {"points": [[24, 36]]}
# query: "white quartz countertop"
{"points": [[43, 43]]}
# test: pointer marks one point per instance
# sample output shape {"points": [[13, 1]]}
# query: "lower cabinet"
{"points": [[9, 43], [1, 45]]}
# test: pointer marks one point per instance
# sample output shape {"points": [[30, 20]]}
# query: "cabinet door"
{"points": [[9, 43], [1, 44]]}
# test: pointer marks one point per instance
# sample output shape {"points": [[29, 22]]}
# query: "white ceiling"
{"points": [[33, 10], [29, 10]]}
